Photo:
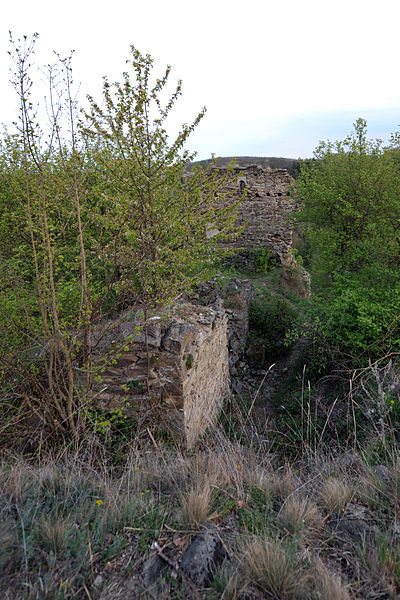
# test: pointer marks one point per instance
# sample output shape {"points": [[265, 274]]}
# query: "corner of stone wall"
{"points": [[177, 373]]}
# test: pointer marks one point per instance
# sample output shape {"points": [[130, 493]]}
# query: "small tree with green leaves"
{"points": [[350, 196], [46, 298], [158, 209], [104, 213]]}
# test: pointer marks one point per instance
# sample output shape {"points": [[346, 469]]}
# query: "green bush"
{"points": [[270, 320], [360, 320], [350, 211], [261, 259]]}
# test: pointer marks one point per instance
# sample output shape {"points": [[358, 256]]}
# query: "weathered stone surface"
{"points": [[138, 333], [382, 474], [179, 335], [153, 568], [183, 369], [206, 384], [235, 300], [237, 296], [353, 527], [265, 208], [204, 554]]}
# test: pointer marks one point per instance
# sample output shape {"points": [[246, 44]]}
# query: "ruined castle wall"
{"points": [[265, 208], [178, 374], [187, 362]]}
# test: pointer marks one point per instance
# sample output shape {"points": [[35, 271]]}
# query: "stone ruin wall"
{"points": [[193, 347], [265, 208], [188, 368]]}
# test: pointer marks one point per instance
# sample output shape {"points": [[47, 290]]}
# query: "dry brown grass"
{"points": [[284, 483], [271, 565], [328, 585], [262, 479], [196, 505], [16, 481], [367, 492], [51, 534], [163, 495], [9, 547], [230, 581], [301, 516], [335, 494], [231, 465]]}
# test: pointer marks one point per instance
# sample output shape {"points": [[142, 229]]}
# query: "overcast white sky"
{"points": [[276, 76]]}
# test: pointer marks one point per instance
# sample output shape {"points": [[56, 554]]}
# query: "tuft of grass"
{"points": [[261, 479], [367, 492], [388, 554], [10, 550], [382, 563], [301, 516], [284, 484], [273, 566], [51, 534], [227, 582], [335, 494], [328, 585], [196, 505]]}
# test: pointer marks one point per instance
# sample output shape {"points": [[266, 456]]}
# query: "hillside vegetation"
{"points": [[295, 492]]}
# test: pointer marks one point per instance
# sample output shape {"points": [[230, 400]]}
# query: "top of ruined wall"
{"points": [[292, 165], [265, 208]]}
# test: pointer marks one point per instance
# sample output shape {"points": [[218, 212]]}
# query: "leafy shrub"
{"points": [[261, 259], [349, 216], [269, 321], [360, 318]]}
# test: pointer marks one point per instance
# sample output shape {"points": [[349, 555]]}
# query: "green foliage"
{"points": [[297, 256], [270, 319], [350, 216], [389, 557], [189, 361], [261, 259], [256, 515], [96, 213], [159, 209], [350, 196], [361, 319]]}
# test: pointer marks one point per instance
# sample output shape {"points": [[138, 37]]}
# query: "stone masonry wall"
{"points": [[265, 209], [188, 366], [234, 297], [180, 375]]}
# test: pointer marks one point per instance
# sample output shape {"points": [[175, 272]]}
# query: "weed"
{"points": [[269, 321], [255, 515], [51, 534], [189, 361], [389, 558], [285, 483], [261, 259], [226, 581], [196, 505], [328, 585]]}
